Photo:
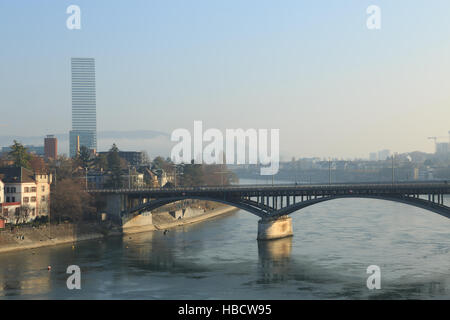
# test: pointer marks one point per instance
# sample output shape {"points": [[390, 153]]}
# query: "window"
{"points": [[13, 190], [33, 212], [33, 199], [33, 189], [7, 199], [13, 199], [7, 189], [5, 212], [26, 189], [43, 198], [26, 199], [43, 188]]}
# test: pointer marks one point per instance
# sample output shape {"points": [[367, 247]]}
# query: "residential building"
{"points": [[101, 179], [384, 154], [24, 190], [373, 156], [442, 148], [9, 211], [133, 179], [134, 158], [163, 177], [151, 178]]}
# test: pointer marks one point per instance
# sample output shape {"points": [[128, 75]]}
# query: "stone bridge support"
{"points": [[115, 204], [275, 228]]}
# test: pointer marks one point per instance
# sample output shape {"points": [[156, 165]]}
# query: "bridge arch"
{"points": [[415, 202], [267, 212], [154, 204]]}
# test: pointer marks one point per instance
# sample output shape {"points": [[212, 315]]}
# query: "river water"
{"points": [[333, 244]]}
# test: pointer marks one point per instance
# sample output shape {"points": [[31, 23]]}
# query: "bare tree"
{"points": [[22, 213], [70, 201]]}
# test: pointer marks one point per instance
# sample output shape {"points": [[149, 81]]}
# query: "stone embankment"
{"points": [[28, 237]]}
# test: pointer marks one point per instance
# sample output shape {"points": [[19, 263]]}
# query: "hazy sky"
{"points": [[310, 68]]}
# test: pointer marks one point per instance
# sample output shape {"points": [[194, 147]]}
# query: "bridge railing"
{"points": [[431, 184]]}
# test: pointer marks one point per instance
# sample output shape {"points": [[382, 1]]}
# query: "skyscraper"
{"points": [[84, 114]]}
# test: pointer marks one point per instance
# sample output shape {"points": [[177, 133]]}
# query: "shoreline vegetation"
{"points": [[44, 236], [74, 214]]}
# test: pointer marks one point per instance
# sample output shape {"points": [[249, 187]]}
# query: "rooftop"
{"points": [[16, 174]]}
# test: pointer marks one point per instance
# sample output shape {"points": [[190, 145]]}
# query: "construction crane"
{"points": [[435, 138], [435, 142]]}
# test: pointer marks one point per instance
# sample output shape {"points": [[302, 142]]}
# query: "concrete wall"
{"points": [[186, 213], [193, 212], [29, 237], [275, 229], [142, 220], [176, 214]]}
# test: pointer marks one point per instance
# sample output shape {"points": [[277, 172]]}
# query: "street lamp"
{"points": [[86, 178], [329, 170], [174, 175], [393, 168], [129, 177]]}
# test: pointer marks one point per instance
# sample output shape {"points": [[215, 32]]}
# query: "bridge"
{"points": [[273, 203]]}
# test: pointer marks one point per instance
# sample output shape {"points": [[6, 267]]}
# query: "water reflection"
{"points": [[28, 276], [155, 252], [148, 252], [220, 259], [274, 259]]}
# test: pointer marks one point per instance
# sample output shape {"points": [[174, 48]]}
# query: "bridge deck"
{"points": [[267, 201], [422, 187]]}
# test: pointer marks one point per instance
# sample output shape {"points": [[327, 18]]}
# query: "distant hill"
{"points": [[138, 134]]}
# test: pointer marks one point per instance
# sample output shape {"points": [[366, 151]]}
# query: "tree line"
{"points": [[69, 199]]}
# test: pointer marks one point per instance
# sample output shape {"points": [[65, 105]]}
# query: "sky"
{"points": [[312, 69]]}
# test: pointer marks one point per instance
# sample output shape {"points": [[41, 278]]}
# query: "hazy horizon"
{"points": [[311, 69]]}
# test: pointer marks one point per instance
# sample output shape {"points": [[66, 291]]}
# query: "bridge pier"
{"points": [[275, 228], [115, 204]]}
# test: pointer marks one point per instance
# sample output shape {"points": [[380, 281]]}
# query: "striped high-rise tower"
{"points": [[84, 113]]}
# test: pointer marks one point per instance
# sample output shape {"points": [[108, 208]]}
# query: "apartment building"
{"points": [[23, 190]]}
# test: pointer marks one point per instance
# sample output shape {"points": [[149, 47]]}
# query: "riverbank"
{"points": [[208, 215], [164, 221], [27, 237], [23, 238]]}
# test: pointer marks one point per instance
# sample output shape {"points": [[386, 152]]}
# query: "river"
{"points": [[333, 244]]}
